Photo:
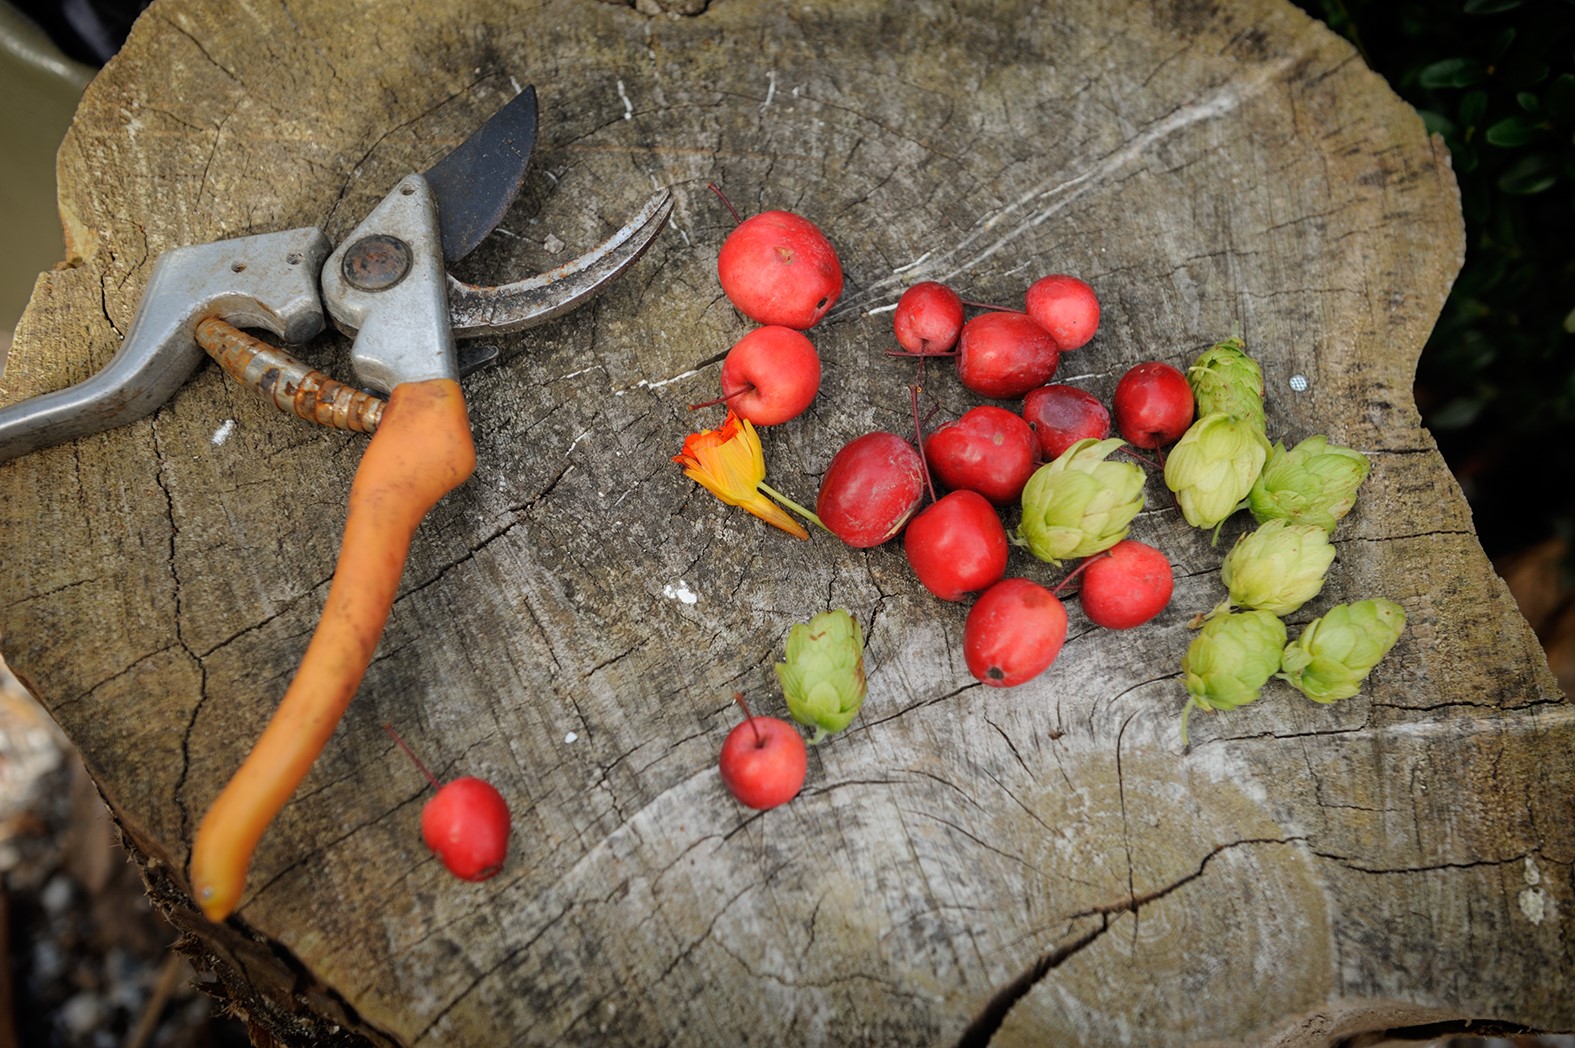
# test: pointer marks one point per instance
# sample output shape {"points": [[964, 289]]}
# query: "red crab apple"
{"points": [[1063, 415], [870, 489], [1004, 355], [989, 450], [778, 268], [928, 319], [763, 760], [1066, 307], [1126, 586], [466, 823], [956, 545], [771, 375], [1153, 405], [1013, 632]]}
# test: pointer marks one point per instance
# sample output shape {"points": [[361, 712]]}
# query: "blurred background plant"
{"points": [[1496, 382]]}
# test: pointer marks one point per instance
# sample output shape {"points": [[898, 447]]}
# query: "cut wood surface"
{"points": [[1040, 865]]}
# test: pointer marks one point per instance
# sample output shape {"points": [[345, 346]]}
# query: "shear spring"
{"points": [[292, 386]]}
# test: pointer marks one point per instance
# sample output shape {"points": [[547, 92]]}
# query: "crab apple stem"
{"points": [[749, 718], [918, 432], [921, 353], [1154, 464], [748, 387], [412, 755], [993, 307], [807, 514], [713, 187], [1075, 572]]}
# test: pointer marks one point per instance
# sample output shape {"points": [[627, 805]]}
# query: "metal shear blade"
{"points": [[387, 285]]}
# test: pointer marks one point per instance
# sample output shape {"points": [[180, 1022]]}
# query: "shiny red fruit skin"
{"points": [[928, 319], [1126, 586], [782, 367], [870, 489], [1066, 307], [763, 762], [957, 545], [1063, 415], [1013, 632], [778, 268], [1152, 405], [989, 450], [1004, 355], [466, 823]]}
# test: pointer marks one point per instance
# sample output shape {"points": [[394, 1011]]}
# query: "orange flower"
{"points": [[729, 463]]}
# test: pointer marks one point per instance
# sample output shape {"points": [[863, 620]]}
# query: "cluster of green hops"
{"points": [[823, 676], [1080, 504], [1225, 463]]}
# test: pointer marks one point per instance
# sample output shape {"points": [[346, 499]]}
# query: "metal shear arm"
{"points": [[267, 281]]}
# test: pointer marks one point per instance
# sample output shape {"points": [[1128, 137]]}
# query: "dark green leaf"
{"points": [[1528, 101], [1559, 102], [1501, 43], [1452, 72], [1513, 131], [1523, 74], [1436, 123], [1528, 175], [1456, 414], [1490, 7], [1472, 107]]}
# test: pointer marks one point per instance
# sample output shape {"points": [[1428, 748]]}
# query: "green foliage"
{"points": [[1495, 79]]}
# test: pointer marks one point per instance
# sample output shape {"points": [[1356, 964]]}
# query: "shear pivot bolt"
{"points": [[376, 263]]}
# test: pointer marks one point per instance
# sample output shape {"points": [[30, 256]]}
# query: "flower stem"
{"points": [[808, 515]]}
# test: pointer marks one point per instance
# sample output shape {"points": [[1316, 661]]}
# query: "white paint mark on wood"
{"points": [[648, 384], [771, 87], [222, 434], [628, 106], [681, 593]]}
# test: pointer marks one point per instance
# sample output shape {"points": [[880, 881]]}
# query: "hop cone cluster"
{"points": [[1226, 381], [823, 677], [1230, 660], [1080, 504], [1277, 568], [1313, 483], [1336, 652], [1213, 466]]}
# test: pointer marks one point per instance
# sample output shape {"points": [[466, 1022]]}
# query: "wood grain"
{"points": [[1040, 865]]}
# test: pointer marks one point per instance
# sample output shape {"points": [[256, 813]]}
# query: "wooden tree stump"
{"points": [[1041, 865]]}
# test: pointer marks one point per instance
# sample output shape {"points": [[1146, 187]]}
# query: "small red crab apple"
{"points": [[929, 318], [763, 760], [956, 545], [771, 375], [1066, 307], [1060, 416], [873, 485], [466, 823], [1126, 586], [989, 450], [1153, 405], [1013, 632], [778, 268], [1004, 355]]}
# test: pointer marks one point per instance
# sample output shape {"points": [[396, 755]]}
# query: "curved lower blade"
{"points": [[475, 184]]}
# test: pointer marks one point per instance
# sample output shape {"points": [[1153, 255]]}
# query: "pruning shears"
{"points": [[387, 285]]}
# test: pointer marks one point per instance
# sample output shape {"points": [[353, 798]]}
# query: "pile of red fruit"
{"points": [[781, 271]]}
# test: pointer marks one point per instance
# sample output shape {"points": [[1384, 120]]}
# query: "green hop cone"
{"points": [[1277, 568], [1226, 380], [1230, 660], [1212, 467], [1336, 652], [1080, 504], [1313, 483], [823, 677]]}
